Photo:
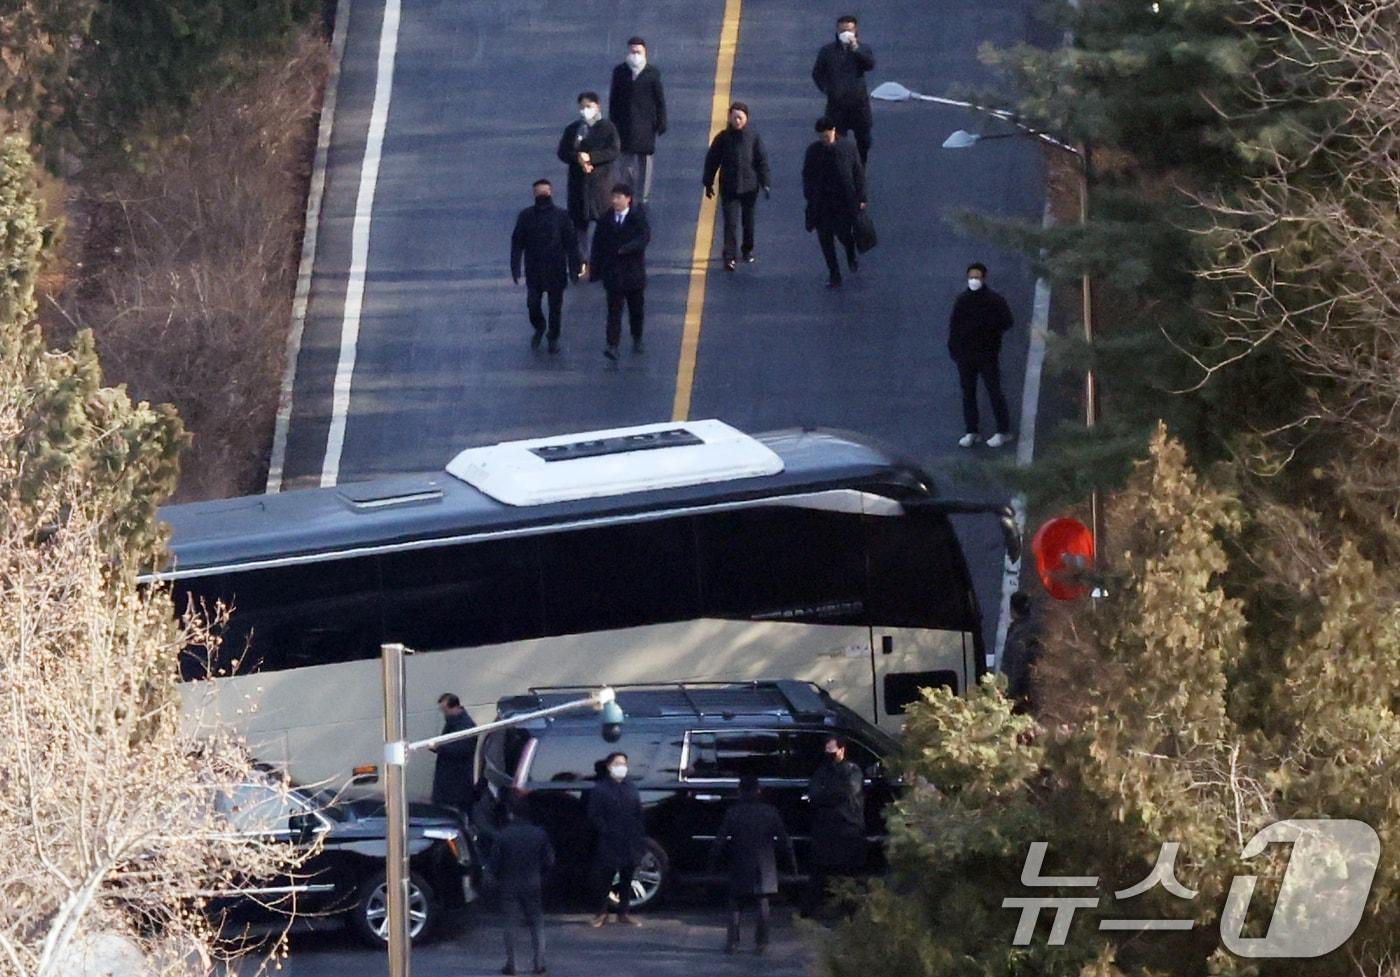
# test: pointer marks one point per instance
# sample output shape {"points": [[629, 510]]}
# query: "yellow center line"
{"points": [[705, 229]]}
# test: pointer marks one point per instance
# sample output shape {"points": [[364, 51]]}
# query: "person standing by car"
{"points": [[979, 318], [589, 147], [833, 182], [615, 813], [620, 260], [545, 238], [837, 795], [637, 106], [521, 856], [452, 774], [749, 834], [737, 155], [840, 75]]}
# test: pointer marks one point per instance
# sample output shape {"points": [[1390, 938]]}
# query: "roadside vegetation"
{"points": [[1242, 667]]}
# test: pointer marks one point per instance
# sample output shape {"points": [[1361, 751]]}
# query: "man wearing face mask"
{"points": [[738, 156], [979, 319], [840, 75], [589, 147], [837, 795], [545, 238], [615, 812], [637, 105]]}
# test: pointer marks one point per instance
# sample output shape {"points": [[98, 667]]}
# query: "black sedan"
{"points": [[344, 877]]}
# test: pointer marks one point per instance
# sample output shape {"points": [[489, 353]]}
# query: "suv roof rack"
{"points": [[700, 699]]}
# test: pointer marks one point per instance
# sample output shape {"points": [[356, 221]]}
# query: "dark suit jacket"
{"points": [[840, 74], [741, 160], [837, 795], [544, 237], [521, 856], [620, 251], [637, 106], [615, 813], [590, 194], [833, 181], [452, 774], [750, 834]]}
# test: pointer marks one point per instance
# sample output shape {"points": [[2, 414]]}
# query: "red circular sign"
{"points": [[1061, 547]]}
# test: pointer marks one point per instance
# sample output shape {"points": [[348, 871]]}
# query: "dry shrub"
{"points": [[190, 261]]}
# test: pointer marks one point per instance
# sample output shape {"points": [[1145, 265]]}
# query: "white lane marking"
{"points": [[359, 242], [310, 226], [1025, 446]]}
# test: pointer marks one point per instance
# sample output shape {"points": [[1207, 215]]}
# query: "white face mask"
{"points": [[846, 37], [974, 283], [636, 61], [618, 771], [589, 114]]}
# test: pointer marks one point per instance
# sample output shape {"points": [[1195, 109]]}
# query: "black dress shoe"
{"points": [[748, 258], [729, 264], [638, 346], [535, 339], [610, 352], [508, 969], [834, 282], [855, 264], [541, 969], [554, 345]]}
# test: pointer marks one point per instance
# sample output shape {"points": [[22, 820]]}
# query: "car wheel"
{"points": [[651, 879], [370, 916]]}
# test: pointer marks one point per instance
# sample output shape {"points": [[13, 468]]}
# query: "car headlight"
{"points": [[453, 837]]}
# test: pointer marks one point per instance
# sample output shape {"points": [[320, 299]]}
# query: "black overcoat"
{"points": [[741, 160], [615, 812], [590, 194], [833, 181], [619, 257], [521, 856], [839, 73], [837, 795], [452, 774], [749, 836], [546, 241], [637, 106], [976, 324]]}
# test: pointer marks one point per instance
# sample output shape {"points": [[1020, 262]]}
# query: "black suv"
{"points": [[687, 747], [345, 877]]}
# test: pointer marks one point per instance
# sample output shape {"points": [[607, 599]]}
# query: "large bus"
{"points": [[667, 552]]}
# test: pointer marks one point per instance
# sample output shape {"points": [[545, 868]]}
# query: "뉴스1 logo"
{"points": [[1321, 898]]}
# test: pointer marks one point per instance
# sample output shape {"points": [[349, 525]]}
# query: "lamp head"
{"points": [[961, 139], [612, 718], [891, 91]]}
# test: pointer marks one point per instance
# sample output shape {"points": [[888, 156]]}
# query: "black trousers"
{"points": [[735, 209], [736, 912], [523, 908], [636, 310], [855, 118], [602, 886], [989, 369], [828, 237], [533, 302]]}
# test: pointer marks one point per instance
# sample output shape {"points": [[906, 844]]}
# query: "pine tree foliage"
{"points": [[70, 427], [1142, 738]]}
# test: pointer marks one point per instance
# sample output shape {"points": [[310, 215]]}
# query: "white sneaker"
{"points": [[967, 440], [999, 439]]}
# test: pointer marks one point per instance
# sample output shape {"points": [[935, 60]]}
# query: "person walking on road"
{"points": [[521, 856], [545, 238], [615, 812], [589, 146], [737, 154], [979, 318], [637, 106], [837, 795], [833, 182], [620, 262], [750, 835], [452, 774], [840, 75]]}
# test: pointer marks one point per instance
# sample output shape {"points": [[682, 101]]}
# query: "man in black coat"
{"points": [[615, 812], [1021, 653], [837, 795], [452, 774], [620, 262], [979, 318], [521, 856], [637, 106], [840, 75], [751, 834], [590, 146], [737, 154], [545, 238], [833, 181]]}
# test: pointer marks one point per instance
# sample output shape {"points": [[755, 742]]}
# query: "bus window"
{"points": [[619, 576], [462, 596], [917, 576], [783, 563]]}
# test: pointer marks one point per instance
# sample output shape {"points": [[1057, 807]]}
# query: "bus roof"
{"points": [[231, 533]]}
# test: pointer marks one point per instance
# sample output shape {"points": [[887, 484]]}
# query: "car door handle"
{"points": [[709, 797]]}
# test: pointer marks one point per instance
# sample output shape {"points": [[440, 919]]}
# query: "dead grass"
{"points": [[184, 268]]}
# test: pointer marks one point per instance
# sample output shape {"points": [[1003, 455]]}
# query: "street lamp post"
{"points": [[893, 91], [397, 750]]}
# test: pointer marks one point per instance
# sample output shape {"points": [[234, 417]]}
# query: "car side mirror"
{"points": [[303, 826]]}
